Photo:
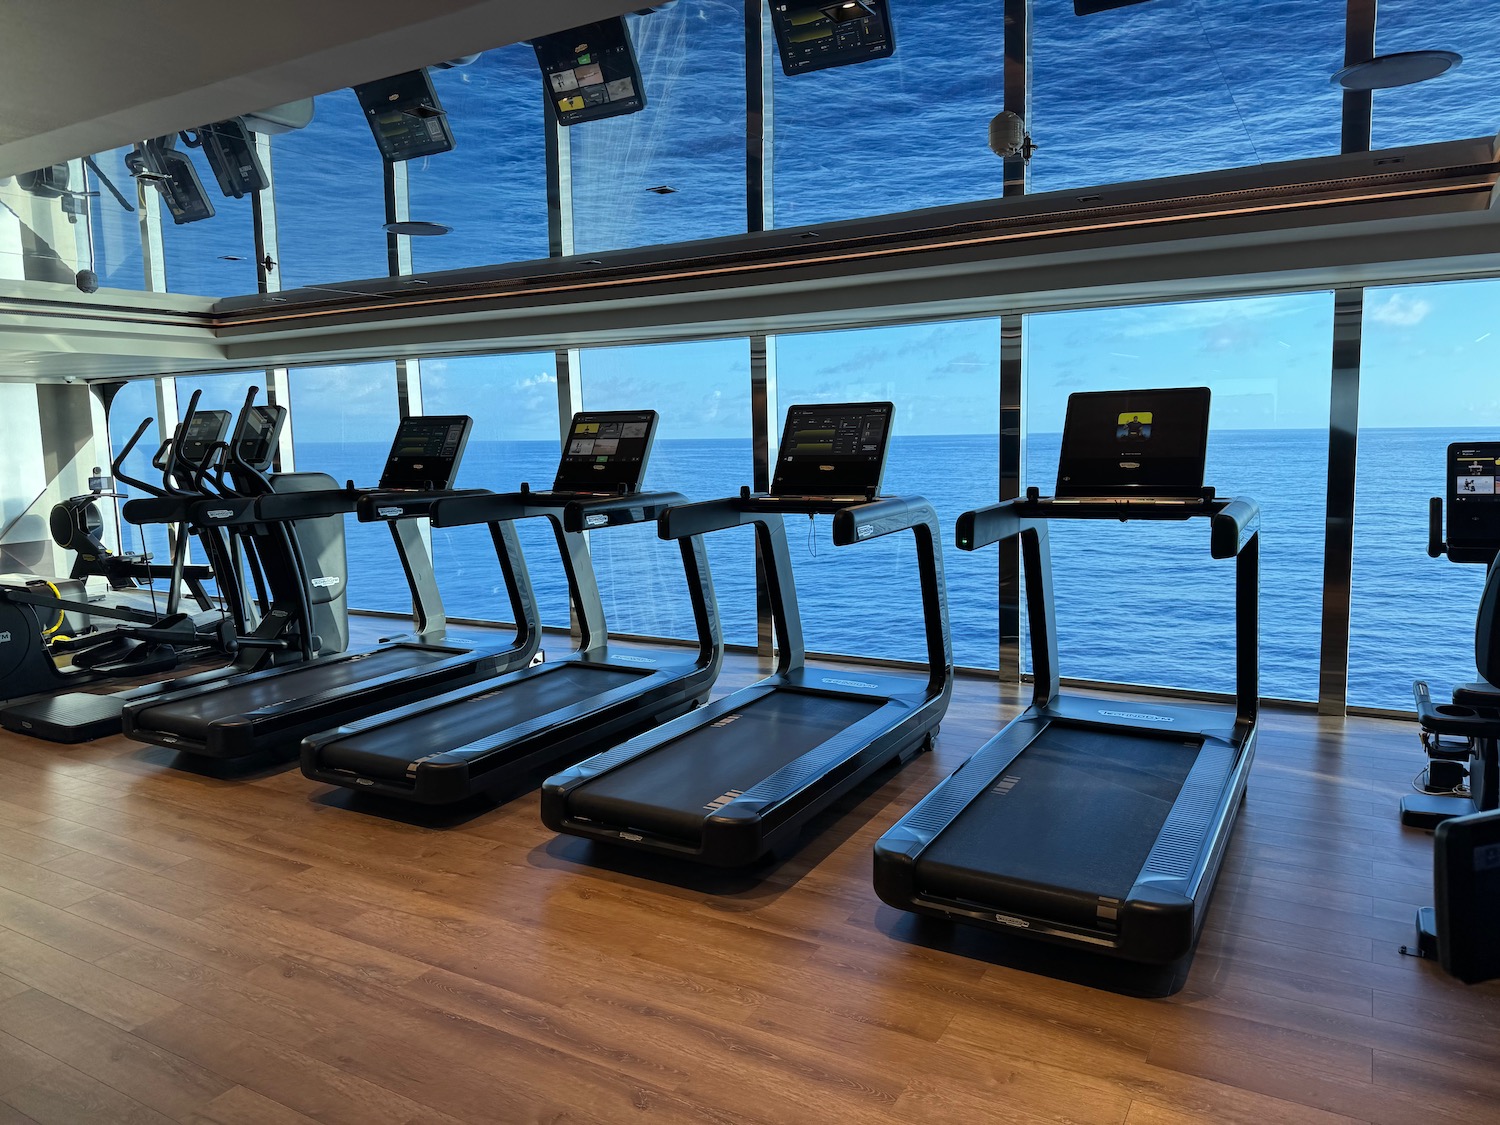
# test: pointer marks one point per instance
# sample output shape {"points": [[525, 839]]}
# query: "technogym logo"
{"points": [[847, 683], [1142, 716], [4, 638]]}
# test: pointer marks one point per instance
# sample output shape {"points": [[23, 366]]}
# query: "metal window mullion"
{"points": [[1017, 79], [1343, 405], [268, 280]]}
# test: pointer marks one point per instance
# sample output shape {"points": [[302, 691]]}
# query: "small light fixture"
{"points": [[230, 258], [662, 189], [416, 227], [1405, 68]]}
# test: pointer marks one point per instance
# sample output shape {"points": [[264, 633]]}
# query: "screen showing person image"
{"points": [[1122, 443], [591, 72], [1473, 502]]}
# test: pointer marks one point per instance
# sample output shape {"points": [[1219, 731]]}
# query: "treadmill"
{"points": [[272, 710], [196, 452], [513, 729], [1088, 822], [741, 777]]}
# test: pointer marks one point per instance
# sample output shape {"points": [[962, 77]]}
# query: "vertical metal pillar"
{"points": [[560, 245], [399, 264], [1012, 351], [268, 280], [1343, 405], [759, 202]]}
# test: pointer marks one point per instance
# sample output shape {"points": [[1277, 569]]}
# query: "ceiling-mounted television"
{"points": [[590, 72]]}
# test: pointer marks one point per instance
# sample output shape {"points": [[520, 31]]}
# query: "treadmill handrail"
{"points": [[705, 516], [883, 516], [280, 507], [619, 511], [1235, 520], [1233, 528]]}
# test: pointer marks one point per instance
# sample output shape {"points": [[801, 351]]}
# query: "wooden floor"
{"points": [[178, 947]]}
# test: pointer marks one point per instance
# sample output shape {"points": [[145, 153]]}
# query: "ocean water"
{"points": [[1137, 602]]}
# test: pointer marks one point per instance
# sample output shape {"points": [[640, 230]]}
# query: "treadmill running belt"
{"points": [[670, 790], [191, 716], [1079, 812], [386, 751]]}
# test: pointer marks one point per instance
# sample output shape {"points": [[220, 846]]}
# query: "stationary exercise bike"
{"points": [[1461, 736]]}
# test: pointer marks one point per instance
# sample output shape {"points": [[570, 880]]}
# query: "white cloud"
{"points": [[1401, 312], [545, 379]]}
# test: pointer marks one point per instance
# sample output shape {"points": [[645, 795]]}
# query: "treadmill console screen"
{"points": [[813, 35], [1135, 443], [606, 451], [205, 429], [256, 435], [590, 72], [1473, 502], [426, 453], [405, 116], [835, 449]]}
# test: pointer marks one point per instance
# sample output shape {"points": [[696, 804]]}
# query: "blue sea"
{"points": [[1140, 603]]}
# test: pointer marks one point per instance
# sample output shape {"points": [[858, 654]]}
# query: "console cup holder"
{"points": [[1455, 711]]}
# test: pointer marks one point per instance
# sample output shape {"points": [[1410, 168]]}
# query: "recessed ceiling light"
{"points": [[662, 189], [230, 258], [416, 227], [1404, 68]]}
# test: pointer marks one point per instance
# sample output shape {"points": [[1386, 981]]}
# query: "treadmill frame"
{"points": [[1158, 920], [774, 810]]}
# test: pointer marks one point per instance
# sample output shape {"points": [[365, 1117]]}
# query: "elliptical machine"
{"points": [[1461, 737]]}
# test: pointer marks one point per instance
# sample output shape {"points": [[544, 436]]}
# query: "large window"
{"points": [[214, 257], [1462, 103], [492, 188], [513, 400], [690, 138], [330, 197], [702, 392], [1179, 86], [899, 133], [343, 419], [1144, 603], [1427, 379], [864, 600], [115, 228]]}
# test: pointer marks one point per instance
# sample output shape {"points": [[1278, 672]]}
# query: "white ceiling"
{"points": [[86, 76]]}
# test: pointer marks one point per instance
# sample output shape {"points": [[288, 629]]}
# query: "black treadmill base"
{"points": [[68, 718], [1428, 810]]}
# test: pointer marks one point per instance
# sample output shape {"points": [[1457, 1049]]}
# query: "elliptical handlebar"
{"points": [[174, 456], [1436, 548], [236, 455], [117, 466]]}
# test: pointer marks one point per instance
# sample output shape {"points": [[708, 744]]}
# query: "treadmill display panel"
{"points": [[426, 453], [590, 72], [1135, 443], [814, 36], [606, 451], [1473, 499], [405, 116], [256, 435], [836, 449]]}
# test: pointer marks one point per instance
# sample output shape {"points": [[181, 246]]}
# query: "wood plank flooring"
{"points": [[176, 946]]}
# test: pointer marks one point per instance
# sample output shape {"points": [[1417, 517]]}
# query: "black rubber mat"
{"points": [[1071, 820], [671, 790], [192, 716], [387, 750]]}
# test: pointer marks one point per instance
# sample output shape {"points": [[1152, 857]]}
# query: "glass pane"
{"points": [[894, 134], [136, 402], [702, 391], [944, 378], [214, 257], [519, 443], [1179, 86], [1125, 592], [330, 196], [117, 232], [492, 188], [41, 235], [690, 137], [1427, 368], [1462, 103], [343, 419]]}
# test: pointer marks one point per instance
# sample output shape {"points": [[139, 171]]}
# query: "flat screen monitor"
{"points": [[232, 156], [1474, 496], [159, 163], [606, 451], [833, 449], [426, 452], [406, 118], [205, 429], [814, 36], [590, 72], [1134, 443], [256, 435]]}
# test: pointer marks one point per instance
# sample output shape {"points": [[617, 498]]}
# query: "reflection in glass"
{"points": [[214, 257], [864, 600], [492, 187], [330, 196], [1180, 86], [689, 138], [117, 232], [1427, 377], [1462, 103], [1125, 593]]}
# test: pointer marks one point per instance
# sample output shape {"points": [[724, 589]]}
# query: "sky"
{"points": [[1170, 86]]}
